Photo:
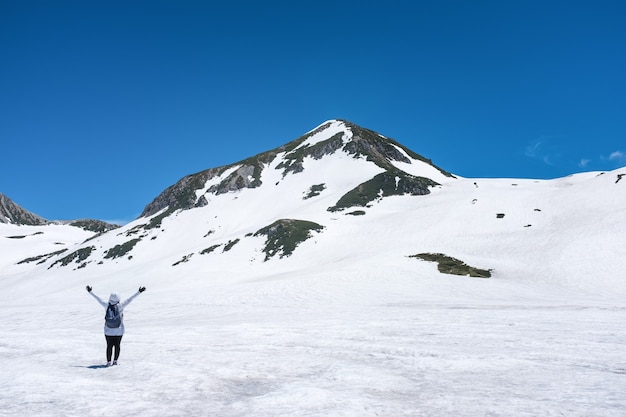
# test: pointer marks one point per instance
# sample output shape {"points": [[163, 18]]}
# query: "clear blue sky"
{"points": [[104, 104]]}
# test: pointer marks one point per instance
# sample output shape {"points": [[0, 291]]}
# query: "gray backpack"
{"points": [[113, 318]]}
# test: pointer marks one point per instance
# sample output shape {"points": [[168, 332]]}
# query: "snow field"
{"points": [[308, 359], [346, 326]]}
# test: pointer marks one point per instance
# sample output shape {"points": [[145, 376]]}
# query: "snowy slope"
{"points": [[347, 325], [23, 242]]}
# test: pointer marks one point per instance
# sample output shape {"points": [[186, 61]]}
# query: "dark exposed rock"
{"points": [[202, 201], [246, 176], [182, 194], [97, 226], [375, 148], [10, 212], [380, 149], [293, 161]]}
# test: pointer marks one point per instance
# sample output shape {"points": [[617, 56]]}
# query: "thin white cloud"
{"points": [[545, 149], [556, 151], [534, 148], [617, 156]]}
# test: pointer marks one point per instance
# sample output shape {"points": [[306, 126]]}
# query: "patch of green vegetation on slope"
{"points": [[76, 256], [120, 250], [314, 191], [209, 249], [383, 185], [283, 236], [230, 245], [449, 265], [156, 221], [41, 258]]}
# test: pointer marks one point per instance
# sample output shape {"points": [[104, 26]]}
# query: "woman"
{"points": [[114, 321]]}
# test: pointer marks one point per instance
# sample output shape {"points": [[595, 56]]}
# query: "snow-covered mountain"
{"points": [[29, 237], [13, 213], [339, 274], [342, 196]]}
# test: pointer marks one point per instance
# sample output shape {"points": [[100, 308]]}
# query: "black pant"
{"points": [[113, 342]]}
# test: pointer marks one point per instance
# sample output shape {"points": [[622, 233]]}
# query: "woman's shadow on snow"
{"points": [[92, 366]]}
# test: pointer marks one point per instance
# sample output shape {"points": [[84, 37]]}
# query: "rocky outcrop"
{"points": [[293, 161], [246, 176], [97, 226], [380, 149], [181, 195], [14, 214]]}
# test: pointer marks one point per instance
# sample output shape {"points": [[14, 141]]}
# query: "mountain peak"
{"points": [[329, 138], [10, 212], [337, 134]]}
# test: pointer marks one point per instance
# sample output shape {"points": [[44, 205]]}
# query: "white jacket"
{"points": [[119, 331]]}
